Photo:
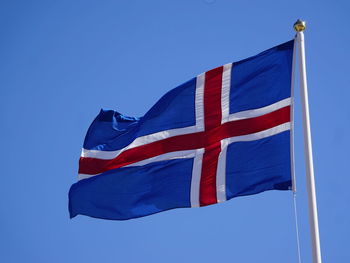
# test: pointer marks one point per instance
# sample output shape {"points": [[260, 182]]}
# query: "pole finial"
{"points": [[299, 25]]}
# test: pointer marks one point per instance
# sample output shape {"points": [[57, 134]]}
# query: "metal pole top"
{"points": [[299, 25]]}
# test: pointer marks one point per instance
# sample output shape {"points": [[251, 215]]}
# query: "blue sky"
{"points": [[61, 61]]}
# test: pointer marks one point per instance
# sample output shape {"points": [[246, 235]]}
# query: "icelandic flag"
{"points": [[222, 134]]}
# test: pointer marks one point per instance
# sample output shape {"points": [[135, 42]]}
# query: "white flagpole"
{"points": [[299, 26]]}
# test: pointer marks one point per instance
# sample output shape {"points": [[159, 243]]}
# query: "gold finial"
{"points": [[299, 25]]}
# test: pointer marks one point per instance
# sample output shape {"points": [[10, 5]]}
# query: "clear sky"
{"points": [[61, 61]]}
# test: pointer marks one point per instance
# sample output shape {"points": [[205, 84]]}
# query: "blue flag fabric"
{"points": [[222, 134]]}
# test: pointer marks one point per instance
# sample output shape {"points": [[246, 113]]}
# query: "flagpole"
{"points": [[299, 27]]}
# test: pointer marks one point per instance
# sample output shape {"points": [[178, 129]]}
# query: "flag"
{"points": [[223, 134]]}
